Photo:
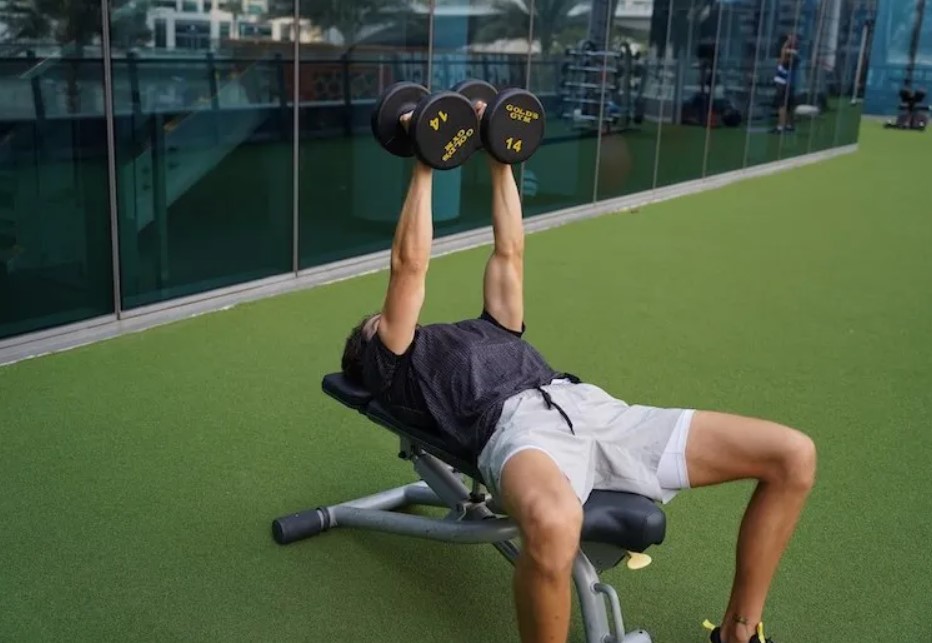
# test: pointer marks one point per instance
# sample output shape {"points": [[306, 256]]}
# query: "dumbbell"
{"points": [[512, 126], [440, 133]]}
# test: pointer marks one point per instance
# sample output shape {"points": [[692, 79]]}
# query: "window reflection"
{"points": [[687, 52], [55, 246], [352, 189], [202, 109], [635, 96], [859, 53], [565, 35], [775, 93], [733, 88]]}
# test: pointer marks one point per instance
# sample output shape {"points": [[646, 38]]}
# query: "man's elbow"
{"points": [[410, 264], [510, 250]]}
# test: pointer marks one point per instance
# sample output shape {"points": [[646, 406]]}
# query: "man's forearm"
{"points": [[414, 232], [507, 223]]}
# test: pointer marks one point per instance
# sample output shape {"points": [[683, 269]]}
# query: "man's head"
{"points": [[356, 345]]}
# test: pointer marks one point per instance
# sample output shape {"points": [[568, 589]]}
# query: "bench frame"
{"points": [[472, 518]]}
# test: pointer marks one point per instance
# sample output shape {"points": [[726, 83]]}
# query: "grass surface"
{"points": [[139, 476]]}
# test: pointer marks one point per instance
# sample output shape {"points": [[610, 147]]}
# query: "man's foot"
{"points": [[716, 634]]}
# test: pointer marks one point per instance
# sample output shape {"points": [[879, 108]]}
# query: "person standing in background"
{"points": [[785, 81]]}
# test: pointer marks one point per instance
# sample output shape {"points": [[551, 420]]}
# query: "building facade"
{"points": [[160, 152]]}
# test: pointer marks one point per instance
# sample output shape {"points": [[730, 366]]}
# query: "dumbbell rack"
{"points": [[584, 98]]}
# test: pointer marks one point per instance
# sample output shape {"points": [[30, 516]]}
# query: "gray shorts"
{"points": [[616, 447]]}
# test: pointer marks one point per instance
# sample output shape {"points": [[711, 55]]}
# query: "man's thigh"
{"points": [[723, 447]]}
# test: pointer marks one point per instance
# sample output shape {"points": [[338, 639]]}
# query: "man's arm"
{"points": [[410, 256], [504, 272]]}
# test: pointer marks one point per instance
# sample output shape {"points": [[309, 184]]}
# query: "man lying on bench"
{"points": [[544, 440]]}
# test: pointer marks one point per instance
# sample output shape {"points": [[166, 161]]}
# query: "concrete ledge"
{"points": [[138, 319]]}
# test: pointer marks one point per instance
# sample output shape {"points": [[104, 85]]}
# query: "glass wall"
{"points": [[566, 76], [823, 92], [858, 21], [55, 246], [242, 145], [350, 188], [202, 101], [635, 100], [771, 115], [687, 52], [734, 71], [898, 23]]}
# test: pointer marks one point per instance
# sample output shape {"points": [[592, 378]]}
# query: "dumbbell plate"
{"points": [[513, 126], [444, 130], [397, 99]]}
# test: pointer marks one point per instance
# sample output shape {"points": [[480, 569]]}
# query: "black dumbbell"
{"points": [[441, 131], [512, 126]]}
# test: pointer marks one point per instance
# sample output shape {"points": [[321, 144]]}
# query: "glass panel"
{"points": [[794, 55], [862, 18], [889, 55], [204, 157], [732, 85], [829, 86], [777, 62], [899, 32], [351, 188], [473, 39], [854, 61], [687, 68], [569, 84], [635, 98], [55, 246]]}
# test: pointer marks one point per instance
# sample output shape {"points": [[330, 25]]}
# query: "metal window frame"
{"points": [[660, 121], [295, 141], [116, 268]]}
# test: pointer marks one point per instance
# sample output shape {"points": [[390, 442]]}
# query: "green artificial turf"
{"points": [[139, 476]]}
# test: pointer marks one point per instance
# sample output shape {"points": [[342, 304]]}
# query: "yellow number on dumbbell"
{"points": [[513, 144], [435, 122]]}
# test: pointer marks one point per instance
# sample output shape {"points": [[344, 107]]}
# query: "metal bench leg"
{"points": [[468, 521], [601, 625], [298, 526]]}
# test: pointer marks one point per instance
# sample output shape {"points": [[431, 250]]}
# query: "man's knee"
{"points": [[797, 462], [550, 529]]}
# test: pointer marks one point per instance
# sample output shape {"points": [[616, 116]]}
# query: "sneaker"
{"points": [[716, 637]]}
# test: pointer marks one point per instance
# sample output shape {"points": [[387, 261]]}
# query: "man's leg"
{"points": [[539, 498], [722, 448]]}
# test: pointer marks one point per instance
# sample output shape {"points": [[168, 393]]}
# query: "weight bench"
{"points": [[616, 526]]}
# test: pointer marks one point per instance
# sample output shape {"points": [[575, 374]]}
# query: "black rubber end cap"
{"points": [[289, 529]]}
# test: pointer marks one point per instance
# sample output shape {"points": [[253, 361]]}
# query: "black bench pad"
{"points": [[614, 517]]}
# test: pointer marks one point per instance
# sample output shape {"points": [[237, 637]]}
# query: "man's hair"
{"points": [[353, 352]]}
